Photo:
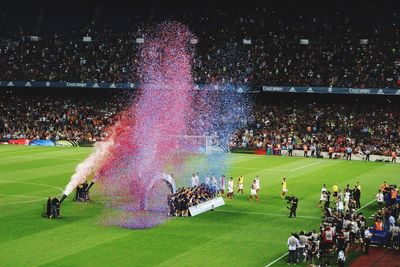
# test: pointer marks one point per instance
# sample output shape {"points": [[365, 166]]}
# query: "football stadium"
{"points": [[207, 133]]}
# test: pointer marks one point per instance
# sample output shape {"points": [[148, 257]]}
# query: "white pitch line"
{"points": [[308, 165], [366, 205], [22, 202], [266, 214], [45, 185], [269, 264], [6, 195], [27, 201]]}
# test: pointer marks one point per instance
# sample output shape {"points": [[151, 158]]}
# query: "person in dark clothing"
{"points": [[328, 200], [58, 207], [55, 208], [367, 154], [290, 150], [293, 206], [48, 207], [357, 196]]}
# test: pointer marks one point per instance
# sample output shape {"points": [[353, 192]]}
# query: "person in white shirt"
{"points": [[257, 184], [341, 258], [346, 199], [380, 199], [207, 180], [197, 178], [253, 191], [340, 206], [323, 189], [292, 243], [367, 240], [323, 196], [230, 188], [301, 248], [194, 180]]}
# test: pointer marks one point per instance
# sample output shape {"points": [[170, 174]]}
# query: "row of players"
{"points": [[218, 185], [343, 200]]}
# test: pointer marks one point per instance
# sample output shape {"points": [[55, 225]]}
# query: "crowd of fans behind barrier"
{"points": [[366, 129], [317, 127], [56, 117]]}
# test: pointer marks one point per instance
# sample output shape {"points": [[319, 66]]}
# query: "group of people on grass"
{"points": [[387, 218], [343, 228], [210, 187], [184, 198], [343, 200]]}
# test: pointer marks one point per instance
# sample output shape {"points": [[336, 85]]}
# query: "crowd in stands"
{"points": [[316, 127], [272, 54], [57, 117], [347, 229]]}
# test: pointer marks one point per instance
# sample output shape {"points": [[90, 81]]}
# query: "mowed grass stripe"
{"points": [[49, 246], [25, 150], [36, 170]]}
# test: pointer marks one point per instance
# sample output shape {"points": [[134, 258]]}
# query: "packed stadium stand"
{"points": [[278, 46], [275, 46]]}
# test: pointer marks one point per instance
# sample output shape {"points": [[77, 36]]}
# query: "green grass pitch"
{"points": [[241, 233]]}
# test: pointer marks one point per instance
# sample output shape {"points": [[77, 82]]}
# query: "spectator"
{"points": [[293, 244]]}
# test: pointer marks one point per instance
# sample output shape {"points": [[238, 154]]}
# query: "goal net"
{"points": [[202, 144]]}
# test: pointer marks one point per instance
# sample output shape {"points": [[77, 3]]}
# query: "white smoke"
{"points": [[88, 166]]}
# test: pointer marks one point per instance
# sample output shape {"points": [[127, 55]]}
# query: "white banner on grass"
{"points": [[206, 206]]}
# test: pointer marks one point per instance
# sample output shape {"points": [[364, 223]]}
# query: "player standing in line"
{"points": [[207, 181], [197, 179], [194, 180], [214, 185], [323, 195], [284, 187], [253, 191], [240, 184], [335, 189], [222, 185], [346, 199], [230, 188], [257, 184]]}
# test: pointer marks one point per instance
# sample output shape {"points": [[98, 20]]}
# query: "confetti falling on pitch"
{"points": [[153, 136]]}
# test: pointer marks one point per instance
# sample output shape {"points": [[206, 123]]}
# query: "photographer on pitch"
{"points": [[293, 201]]}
